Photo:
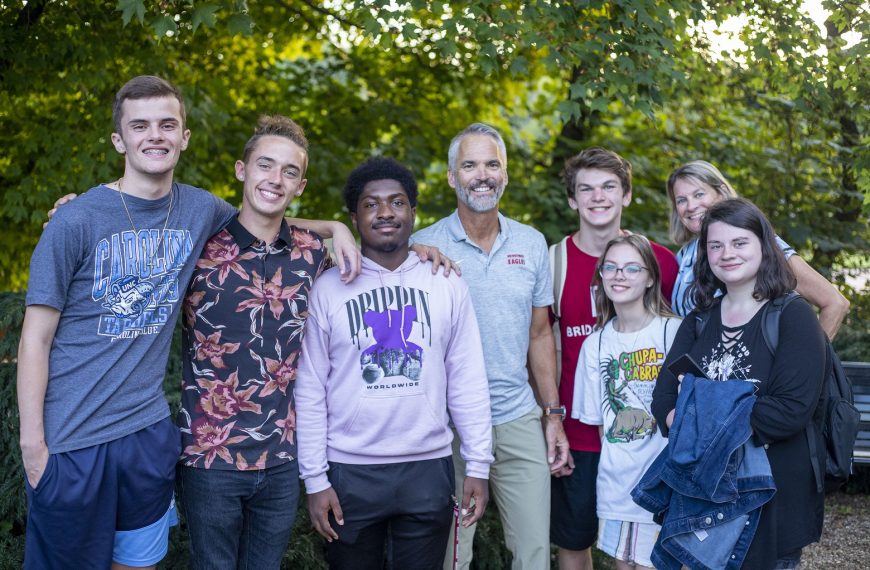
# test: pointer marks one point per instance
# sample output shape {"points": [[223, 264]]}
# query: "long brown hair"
{"points": [[774, 277], [653, 300]]}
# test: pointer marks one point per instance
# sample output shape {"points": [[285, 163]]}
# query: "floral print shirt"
{"points": [[243, 318]]}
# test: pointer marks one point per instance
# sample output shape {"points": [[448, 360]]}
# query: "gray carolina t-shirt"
{"points": [[119, 293], [505, 284]]}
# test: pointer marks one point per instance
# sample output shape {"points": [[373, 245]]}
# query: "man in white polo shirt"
{"points": [[506, 267]]}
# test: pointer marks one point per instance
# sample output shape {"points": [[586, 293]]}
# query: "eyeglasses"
{"points": [[629, 270]]}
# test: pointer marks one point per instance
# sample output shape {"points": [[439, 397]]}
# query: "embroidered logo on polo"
{"points": [[516, 259], [382, 320], [136, 283]]}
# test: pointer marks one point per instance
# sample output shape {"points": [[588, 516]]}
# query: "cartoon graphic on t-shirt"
{"points": [[136, 280], [391, 354], [128, 296], [632, 419], [381, 322]]}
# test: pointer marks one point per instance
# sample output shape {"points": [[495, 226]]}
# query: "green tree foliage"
{"points": [[62, 63], [784, 114], [395, 78]]}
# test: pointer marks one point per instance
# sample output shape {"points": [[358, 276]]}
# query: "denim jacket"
{"points": [[707, 486]]}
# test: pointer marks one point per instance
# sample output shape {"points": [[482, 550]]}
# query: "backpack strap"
{"points": [[815, 461], [701, 320], [819, 467], [770, 332], [772, 311], [558, 272], [665, 336]]}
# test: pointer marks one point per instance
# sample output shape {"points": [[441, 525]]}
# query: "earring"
{"points": [[241, 177]]}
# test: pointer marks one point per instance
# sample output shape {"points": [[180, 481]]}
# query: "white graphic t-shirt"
{"points": [[613, 388]]}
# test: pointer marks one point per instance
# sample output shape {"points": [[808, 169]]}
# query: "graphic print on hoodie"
{"points": [[384, 317]]}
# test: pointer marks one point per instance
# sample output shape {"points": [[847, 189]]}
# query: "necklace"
{"points": [[151, 262]]}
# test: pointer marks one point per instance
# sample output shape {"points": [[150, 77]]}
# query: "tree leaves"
{"points": [[402, 78], [131, 8], [163, 25], [203, 14]]}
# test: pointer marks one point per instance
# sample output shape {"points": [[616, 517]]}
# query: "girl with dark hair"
{"points": [[738, 255], [693, 189], [613, 388]]}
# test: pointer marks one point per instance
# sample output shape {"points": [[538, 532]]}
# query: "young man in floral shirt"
{"points": [[243, 318]]}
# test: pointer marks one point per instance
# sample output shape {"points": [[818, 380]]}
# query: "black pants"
{"points": [[403, 509]]}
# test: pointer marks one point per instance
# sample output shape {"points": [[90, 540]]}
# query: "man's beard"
{"points": [[480, 203]]}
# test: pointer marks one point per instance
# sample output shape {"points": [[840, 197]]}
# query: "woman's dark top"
{"points": [[788, 390]]}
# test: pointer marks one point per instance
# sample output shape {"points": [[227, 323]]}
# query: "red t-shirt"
{"points": [[577, 320]]}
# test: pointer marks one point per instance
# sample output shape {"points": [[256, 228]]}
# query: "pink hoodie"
{"points": [[383, 361]]}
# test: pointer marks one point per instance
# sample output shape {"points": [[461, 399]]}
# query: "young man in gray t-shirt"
{"points": [[98, 446]]}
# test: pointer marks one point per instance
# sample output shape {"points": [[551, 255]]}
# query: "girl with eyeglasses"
{"points": [[616, 374]]}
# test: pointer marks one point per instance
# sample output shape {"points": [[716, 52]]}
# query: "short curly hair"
{"points": [[378, 168], [278, 126]]}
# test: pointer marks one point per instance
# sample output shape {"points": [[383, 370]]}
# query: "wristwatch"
{"points": [[555, 410]]}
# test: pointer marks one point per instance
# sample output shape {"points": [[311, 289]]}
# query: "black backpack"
{"points": [[840, 420]]}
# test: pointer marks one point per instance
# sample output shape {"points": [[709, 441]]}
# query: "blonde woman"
{"points": [[695, 187]]}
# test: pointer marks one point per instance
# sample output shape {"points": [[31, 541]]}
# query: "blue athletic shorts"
{"points": [[112, 501]]}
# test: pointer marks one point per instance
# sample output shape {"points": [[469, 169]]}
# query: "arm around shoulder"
{"points": [[833, 306], [347, 254]]}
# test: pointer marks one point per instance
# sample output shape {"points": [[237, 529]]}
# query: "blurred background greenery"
{"points": [[773, 92]]}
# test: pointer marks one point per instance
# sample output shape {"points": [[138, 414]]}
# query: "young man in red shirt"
{"points": [[598, 184]]}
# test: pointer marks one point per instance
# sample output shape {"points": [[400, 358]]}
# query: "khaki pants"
{"points": [[519, 482]]}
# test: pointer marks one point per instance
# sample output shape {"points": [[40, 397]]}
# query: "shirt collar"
{"points": [[458, 233], [244, 239]]}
